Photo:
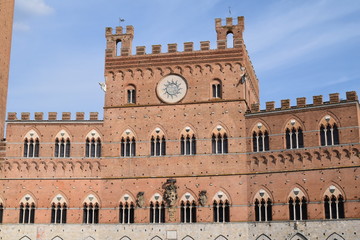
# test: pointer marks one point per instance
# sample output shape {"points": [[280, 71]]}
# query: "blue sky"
{"points": [[299, 48]]}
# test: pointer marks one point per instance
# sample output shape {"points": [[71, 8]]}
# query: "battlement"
{"points": [[125, 39], [301, 102], [52, 116]]}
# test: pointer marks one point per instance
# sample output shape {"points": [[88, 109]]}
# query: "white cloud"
{"points": [[21, 26], [34, 7]]}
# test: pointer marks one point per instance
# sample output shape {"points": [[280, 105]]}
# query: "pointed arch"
{"points": [[298, 203], [335, 236], [329, 130], [156, 238], [157, 142], [294, 133], [157, 209], [188, 141], [126, 209], [219, 140], [57, 238], [125, 238], [128, 143], [263, 237], [263, 205], [221, 237], [334, 203], [62, 144], [59, 208], [27, 209], [25, 238], [91, 207], [188, 238], [221, 207], [31, 144], [188, 207], [298, 236]]}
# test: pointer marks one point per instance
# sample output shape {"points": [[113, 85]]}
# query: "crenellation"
{"points": [[301, 102], [66, 116], [52, 116], [94, 116], [80, 116], [351, 96], [229, 21], [188, 46], [221, 44], [172, 47], [119, 30], [156, 49], [12, 116], [25, 116], [334, 97], [318, 100], [204, 45], [270, 106], [39, 116], [140, 50], [255, 107], [285, 104]]}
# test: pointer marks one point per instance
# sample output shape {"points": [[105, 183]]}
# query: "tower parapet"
{"points": [[114, 39]]}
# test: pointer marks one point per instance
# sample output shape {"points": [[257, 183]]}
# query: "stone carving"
{"points": [[140, 200], [202, 198], [170, 194]]}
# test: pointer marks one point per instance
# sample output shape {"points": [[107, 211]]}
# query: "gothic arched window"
{"points": [[91, 210], [221, 208], [58, 209], [263, 206], [219, 141], [333, 203], [93, 147], [126, 209], [62, 145], [188, 209], [157, 209], [128, 144], [297, 205], [329, 134], [260, 138], [157, 143], [27, 210], [31, 145], [187, 142]]}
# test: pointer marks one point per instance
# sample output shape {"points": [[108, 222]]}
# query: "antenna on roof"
{"points": [[121, 20]]}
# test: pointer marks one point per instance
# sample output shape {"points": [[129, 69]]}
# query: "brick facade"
{"points": [[213, 148]]}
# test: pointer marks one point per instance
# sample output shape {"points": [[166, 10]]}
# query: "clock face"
{"points": [[171, 89]]}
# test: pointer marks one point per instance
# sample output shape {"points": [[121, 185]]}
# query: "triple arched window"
{"points": [[93, 148], [187, 142], [219, 141], [157, 143], [297, 205], [294, 138], [261, 141], [58, 209], [31, 148], [157, 209], [128, 144], [329, 134], [221, 208], [333, 203], [27, 210], [263, 206], [126, 210], [188, 209], [31, 145]]}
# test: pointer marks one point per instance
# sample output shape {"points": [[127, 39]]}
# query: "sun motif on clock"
{"points": [[171, 89]]}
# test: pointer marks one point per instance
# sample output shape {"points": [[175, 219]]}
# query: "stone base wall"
{"points": [[287, 230]]}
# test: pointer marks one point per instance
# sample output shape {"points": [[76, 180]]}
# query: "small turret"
{"points": [[223, 30], [114, 39]]}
